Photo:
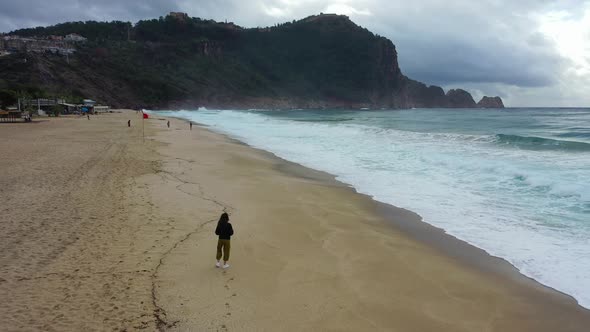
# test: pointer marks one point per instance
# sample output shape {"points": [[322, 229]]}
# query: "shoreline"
{"points": [[102, 230], [390, 279], [411, 224]]}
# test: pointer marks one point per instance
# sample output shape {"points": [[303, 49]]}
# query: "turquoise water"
{"points": [[514, 182]]}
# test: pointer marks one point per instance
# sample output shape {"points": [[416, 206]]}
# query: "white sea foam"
{"points": [[529, 208]]}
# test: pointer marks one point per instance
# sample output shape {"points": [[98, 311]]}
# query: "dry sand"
{"points": [[99, 231]]}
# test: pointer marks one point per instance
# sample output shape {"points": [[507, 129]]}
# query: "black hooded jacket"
{"points": [[224, 231]]}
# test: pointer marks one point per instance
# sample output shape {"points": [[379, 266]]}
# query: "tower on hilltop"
{"points": [[179, 16]]}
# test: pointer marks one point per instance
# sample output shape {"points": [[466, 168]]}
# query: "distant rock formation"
{"points": [[490, 102], [459, 98]]}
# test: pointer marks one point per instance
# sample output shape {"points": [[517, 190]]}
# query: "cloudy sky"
{"points": [[529, 52]]}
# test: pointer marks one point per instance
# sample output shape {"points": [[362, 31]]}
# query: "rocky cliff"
{"points": [[490, 102], [321, 61], [459, 98]]}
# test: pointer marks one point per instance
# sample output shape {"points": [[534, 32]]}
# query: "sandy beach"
{"points": [[101, 230]]}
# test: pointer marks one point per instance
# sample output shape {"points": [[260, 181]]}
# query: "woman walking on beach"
{"points": [[225, 231]]}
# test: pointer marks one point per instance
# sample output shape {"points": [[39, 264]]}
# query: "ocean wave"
{"points": [[540, 143], [583, 135], [323, 120]]}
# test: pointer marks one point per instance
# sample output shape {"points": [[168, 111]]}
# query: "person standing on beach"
{"points": [[225, 231], [168, 124], [128, 123], [191, 124]]}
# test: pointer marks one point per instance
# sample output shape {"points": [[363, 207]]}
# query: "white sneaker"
{"points": [[218, 264], [225, 266]]}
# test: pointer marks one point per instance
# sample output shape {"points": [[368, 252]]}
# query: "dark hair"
{"points": [[222, 222], [223, 219]]}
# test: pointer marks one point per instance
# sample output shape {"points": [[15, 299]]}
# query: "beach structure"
{"points": [[101, 109], [87, 106], [14, 116], [23, 102], [8, 116], [70, 108], [88, 102], [43, 104]]}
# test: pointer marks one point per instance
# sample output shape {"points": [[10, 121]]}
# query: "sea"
{"points": [[514, 182]]}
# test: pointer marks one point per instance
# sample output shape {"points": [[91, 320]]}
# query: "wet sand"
{"points": [[100, 231]]}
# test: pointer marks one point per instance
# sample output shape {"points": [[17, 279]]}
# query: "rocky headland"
{"points": [[322, 61]]}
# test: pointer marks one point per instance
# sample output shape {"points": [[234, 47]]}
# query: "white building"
{"points": [[74, 37]]}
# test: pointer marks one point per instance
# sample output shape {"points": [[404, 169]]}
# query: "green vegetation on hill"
{"points": [[323, 60], [95, 31]]}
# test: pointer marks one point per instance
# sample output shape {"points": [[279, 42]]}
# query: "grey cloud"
{"points": [[446, 62], [466, 43], [31, 13]]}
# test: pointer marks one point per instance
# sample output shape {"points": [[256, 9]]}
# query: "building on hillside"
{"points": [[74, 37], [19, 44]]}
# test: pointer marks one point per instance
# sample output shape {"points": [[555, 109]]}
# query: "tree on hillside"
{"points": [[7, 98]]}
